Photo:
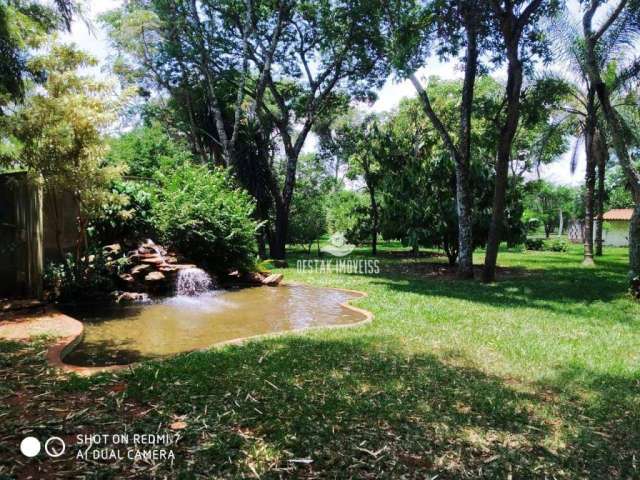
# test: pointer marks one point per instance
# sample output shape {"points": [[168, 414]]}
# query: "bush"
{"points": [[69, 281], [197, 212], [556, 246], [129, 221], [534, 244], [147, 150], [549, 246], [349, 213]]}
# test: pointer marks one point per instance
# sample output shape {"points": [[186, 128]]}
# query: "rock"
{"points": [[132, 297], [153, 260], [150, 247], [253, 278], [154, 277], [127, 278], [112, 249], [166, 268], [273, 279], [182, 266], [170, 259], [140, 268]]}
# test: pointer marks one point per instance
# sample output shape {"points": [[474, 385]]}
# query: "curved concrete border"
{"points": [[57, 351]]}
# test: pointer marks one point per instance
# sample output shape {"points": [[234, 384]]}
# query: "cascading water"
{"points": [[193, 281]]}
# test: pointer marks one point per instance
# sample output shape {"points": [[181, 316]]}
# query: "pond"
{"points": [[121, 335]]}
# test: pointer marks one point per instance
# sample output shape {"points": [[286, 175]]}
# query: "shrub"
{"points": [[556, 246], [126, 221], [202, 215], [349, 212], [72, 281], [549, 246], [534, 244], [147, 150]]}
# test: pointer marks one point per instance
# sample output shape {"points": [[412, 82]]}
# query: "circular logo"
{"points": [[54, 447], [30, 446], [338, 245]]}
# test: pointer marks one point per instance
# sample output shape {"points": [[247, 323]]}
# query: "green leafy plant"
{"points": [[534, 244], [556, 246], [90, 278], [200, 213]]}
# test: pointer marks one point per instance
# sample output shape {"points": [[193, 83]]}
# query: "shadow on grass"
{"points": [[353, 409], [566, 290], [602, 414]]}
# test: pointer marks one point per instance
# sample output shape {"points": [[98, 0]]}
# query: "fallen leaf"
{"points": [[178, 426]]}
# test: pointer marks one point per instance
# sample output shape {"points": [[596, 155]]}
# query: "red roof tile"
{"points": [[618, 214]]}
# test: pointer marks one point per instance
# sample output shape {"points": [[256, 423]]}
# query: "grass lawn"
{"points": [[535, 376]]}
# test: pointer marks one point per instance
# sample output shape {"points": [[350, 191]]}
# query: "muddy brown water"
{"points": [[121, 335]]}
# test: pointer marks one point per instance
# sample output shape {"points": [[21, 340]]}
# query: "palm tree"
{"points": [[584, 114], [616, 32]]}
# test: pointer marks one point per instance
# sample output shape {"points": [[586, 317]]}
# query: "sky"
{"points": [[93, 39]]}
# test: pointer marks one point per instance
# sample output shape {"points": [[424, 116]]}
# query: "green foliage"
{"points": [[84, 280], [144, 153], [617, 193], [556, 246], [147, 150], [24, 26], [58, 131], [538, 244], [198, 212], [418, 185], [544, 201], [535, 244], [348, 212], [308, 215], [129, 219]]}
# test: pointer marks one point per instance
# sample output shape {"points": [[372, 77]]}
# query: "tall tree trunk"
{"points": [[461, 155], [589, 200], [374, 221], [600, 149], [464, 200], [281, 225], [560, 222], [503, 157]]}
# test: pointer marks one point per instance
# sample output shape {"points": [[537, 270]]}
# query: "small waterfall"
{"points": [[193, 281]]}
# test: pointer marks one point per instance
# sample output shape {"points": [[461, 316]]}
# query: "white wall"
{"points": [[616, 233]]}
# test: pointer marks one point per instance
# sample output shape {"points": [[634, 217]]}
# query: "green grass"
{"points": [[535, 376]]}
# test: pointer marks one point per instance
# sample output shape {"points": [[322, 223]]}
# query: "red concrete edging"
{"points": [[69, 333]]}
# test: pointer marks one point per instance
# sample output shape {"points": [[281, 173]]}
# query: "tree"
{"points": [[183, 49], [308, 210], [362, 146], [58, 133], [518, 25], [613, 31], [419, 174], [349, 213], [584, 110], [326, 52], [24, 26], [297, 60], [547, 203], [456, 25]]}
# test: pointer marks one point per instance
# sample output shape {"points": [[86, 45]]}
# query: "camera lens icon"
{"points": [[55, 447]]}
